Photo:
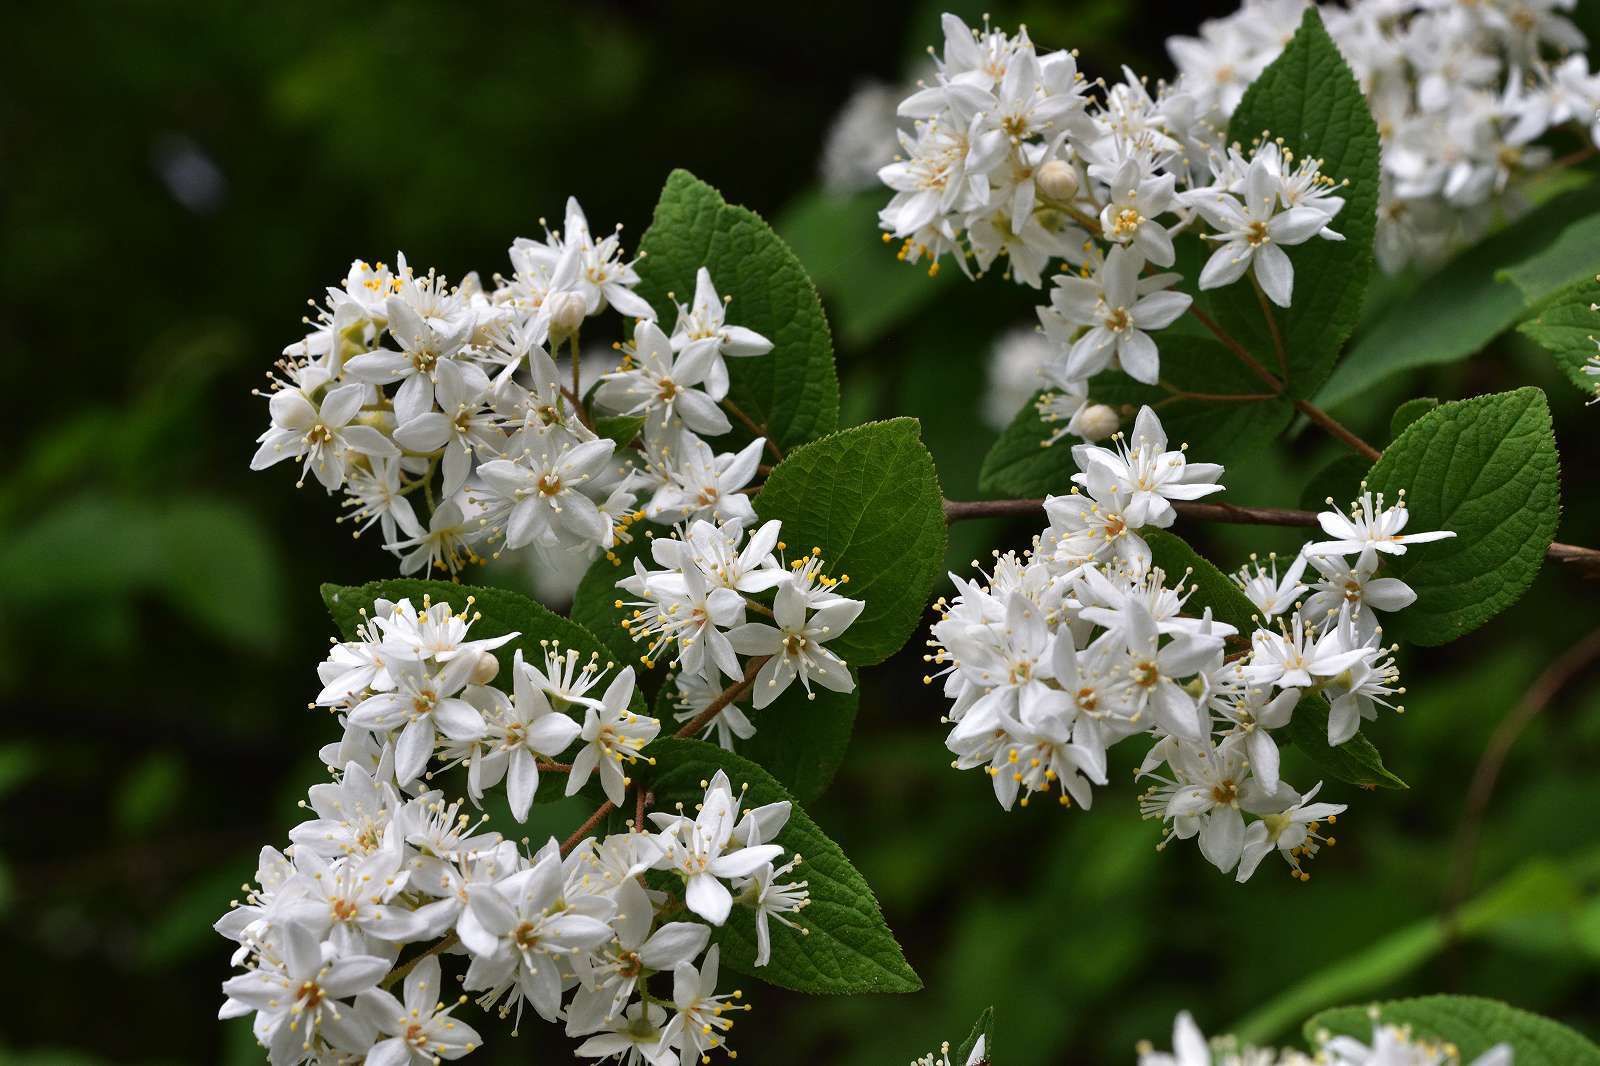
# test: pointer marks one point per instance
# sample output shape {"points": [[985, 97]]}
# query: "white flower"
{"points": [[612, 736], [421, 704], [420, 1031], [1393, 1046], [703, 324], [1372, 526], [794, 645], [1356, 586], [1253, 232], [1135, 199], [773, 900], [462, 423], [703, 850], [701, 1017], [517, 931], [296, 996], [1118, 307], [543, 497], [447, 544], [1272, 594], [660, 384], [322, 436], [529, 728], [374, 494], [1293, 831], [703, 484], [632, 1037], [1146, 472], [426, 344], [1296, 656]]}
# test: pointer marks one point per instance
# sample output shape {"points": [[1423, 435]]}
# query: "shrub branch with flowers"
{"points": [[1208, 244]]}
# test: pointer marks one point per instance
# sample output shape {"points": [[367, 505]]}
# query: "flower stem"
{"points": [[587, 827], [1272, 327], [444, 943], [754, 427]]}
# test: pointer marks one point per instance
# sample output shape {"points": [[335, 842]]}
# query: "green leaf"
{"points": [[1212, 588], [1020, 464], [1565, 326], [984, 1028], [869, 498], [498, 610], [1339, 481], [866, 287], [1309, 98], [1472, 1024], [848, 948], [1408, 413], [792, 390], [1487, 469], [620, 428], [1468, 301], [1355, 761], [800, 742]]}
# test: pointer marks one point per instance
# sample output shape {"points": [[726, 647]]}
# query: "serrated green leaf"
{"points": [[793, 390], [849, 949], [869, 498], [984, 1028], [1465, 304], [1355, 762], [1566, 326], [1485, 468], [1472, 1024], [800, 742], [498, 610], [1021, 465], [1212, 588], [1309, 98], [1408, 413]]}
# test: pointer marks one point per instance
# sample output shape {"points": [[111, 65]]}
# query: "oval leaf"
{"points": [[869, 498]]}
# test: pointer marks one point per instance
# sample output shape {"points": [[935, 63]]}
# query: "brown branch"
{"points": [[587, 827], [727, 696], [1585, 560], [398, 974], [1272, 327], [1305, 407], [754, 427], [1228, 340], [1555, 677], [1337, 429], [553, 767]]}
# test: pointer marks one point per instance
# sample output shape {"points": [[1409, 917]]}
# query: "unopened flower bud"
{"points": [[567, 312], [1058, 181], [485, 669], [1097, 422]]}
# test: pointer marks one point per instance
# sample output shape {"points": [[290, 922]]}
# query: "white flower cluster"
{"points": [[975, 1057], [1079, 643], [1012, 156], [1391, 1046], [693, 611], [1461, 94], [386, 866], [406, 384]]}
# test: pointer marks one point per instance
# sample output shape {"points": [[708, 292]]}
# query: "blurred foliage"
{"points": [[175, 179]]}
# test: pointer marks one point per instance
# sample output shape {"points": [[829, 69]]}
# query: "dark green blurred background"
{"points": [[177, 179]]}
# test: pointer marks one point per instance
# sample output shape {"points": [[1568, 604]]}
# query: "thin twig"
{"points": [[1555, 677], [398, 974], [1586, 560], [587, 827], [754, 427], [553, 767], [727, 696], [1337, 429], [1272, 327], [1233, 345]]}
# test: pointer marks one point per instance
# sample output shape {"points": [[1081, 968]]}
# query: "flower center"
{"points": [[1127, 220], [550, 485], [1256, 234], [1225, 792], [1118, 319]]}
